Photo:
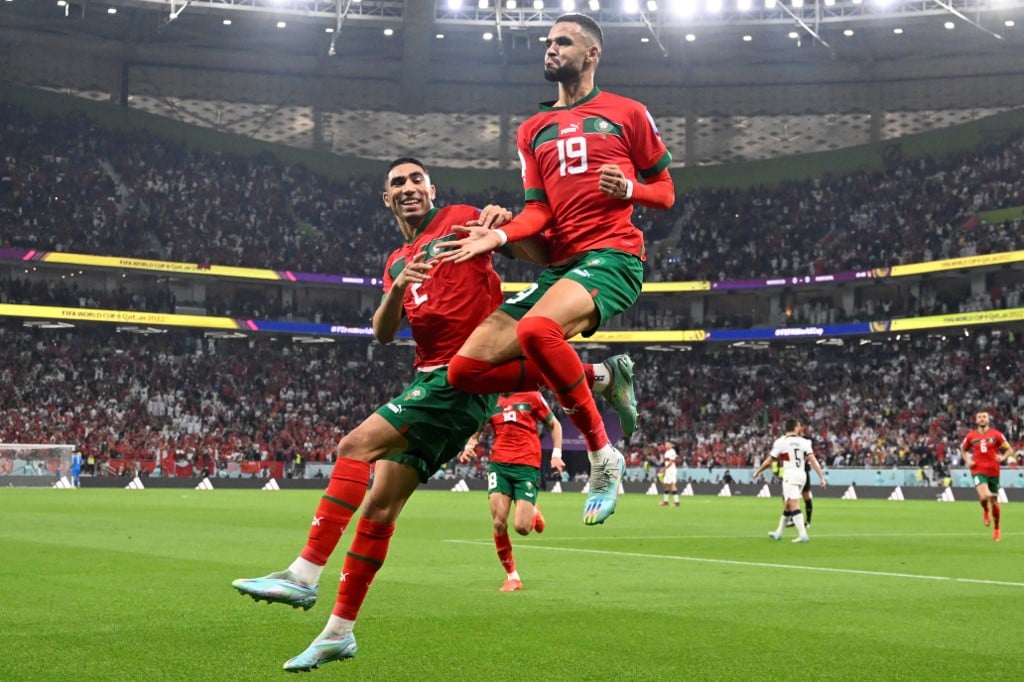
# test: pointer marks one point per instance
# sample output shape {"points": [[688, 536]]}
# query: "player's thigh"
{"points": [[524, 515], [374, 438], [500, 506], [570, 305], [494, 340], [393, 484], [792, 491], [607, 281]]}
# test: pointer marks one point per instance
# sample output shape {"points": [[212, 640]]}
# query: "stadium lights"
{"points": [[744, 5], [797, 4], [949, 25], [568, 5], [1009, 23], [595, 5], [455, 4], [898, 31]]}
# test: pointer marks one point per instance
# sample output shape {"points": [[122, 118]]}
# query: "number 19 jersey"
{"points": [[562, 149]]}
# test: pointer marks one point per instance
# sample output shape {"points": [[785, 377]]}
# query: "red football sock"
{"points": [[984, 504], [479, 376], [344, 494], [365, 557], [995, 514], [543, 341], [504, 544]]}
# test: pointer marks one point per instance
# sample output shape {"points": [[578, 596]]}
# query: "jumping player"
{"points": [[587, 158]]}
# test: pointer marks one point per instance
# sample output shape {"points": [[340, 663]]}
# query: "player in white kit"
{"points": [[792, 451]]}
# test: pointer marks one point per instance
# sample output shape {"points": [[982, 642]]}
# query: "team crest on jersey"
{"points": [[414, 394], [594, 261]]}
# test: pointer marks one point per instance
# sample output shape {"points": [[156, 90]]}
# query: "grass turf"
{"points": [[135, 585]]}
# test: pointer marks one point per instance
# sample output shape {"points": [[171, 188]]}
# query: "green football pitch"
{"points": [[136, 585]]}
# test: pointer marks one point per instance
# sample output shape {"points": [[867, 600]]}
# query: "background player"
{"points": [[582, 157], [411, 436], [791, 451], [669, 475], [513, 471], [984, 448]]}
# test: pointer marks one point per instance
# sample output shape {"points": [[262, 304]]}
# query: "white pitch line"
{"points": [[756, 564]]}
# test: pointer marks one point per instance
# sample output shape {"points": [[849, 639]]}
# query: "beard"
{"points": [[561, 74]]}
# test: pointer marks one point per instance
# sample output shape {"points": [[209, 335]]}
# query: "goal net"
{"points": [[35, 459]]}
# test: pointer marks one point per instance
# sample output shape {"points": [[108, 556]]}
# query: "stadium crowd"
{"points": [[129, 398], [70, 185]]}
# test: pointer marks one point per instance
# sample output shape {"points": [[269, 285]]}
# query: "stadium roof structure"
{"points": [[727, 80]]}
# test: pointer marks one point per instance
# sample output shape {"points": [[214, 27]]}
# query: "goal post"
{"points": [[36, 459]]}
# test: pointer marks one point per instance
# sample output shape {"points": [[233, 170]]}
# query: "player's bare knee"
{"points": [[523, 528], [500, 527], [355, 446]]}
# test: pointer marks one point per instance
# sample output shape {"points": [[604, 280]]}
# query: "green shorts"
{"points": [[436, 419], [993, 482], [518, 481], [614, 279]]}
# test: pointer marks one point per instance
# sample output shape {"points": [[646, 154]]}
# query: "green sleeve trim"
{"points": [[661, 165]]}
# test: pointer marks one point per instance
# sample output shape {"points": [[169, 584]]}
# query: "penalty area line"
{"points": [[755, 564]]}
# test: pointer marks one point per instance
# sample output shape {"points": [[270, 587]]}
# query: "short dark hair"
{"points": [[588, 25], [791, 424], [399, 161], [405, 159]]}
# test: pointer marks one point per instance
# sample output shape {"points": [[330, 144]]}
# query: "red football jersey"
{"points": [[516, 434], [446, 308], [984, 447], [562, 150]]}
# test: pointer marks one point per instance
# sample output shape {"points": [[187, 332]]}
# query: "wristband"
{"points": [[556, 452], [502, 236], [629, 189]]}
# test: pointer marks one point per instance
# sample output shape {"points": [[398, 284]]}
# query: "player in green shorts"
{"points": [[587, 158], [513, 471], [411, 436], [984, 449]]}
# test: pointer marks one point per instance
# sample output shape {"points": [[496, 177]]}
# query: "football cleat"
{"points": [[663, 503], [986, 519], [802, 538], [605, 477], [511, 585], [322, 651], [997, 535], [278, 588], [619, 392], [538, 520], [775, 536]]}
